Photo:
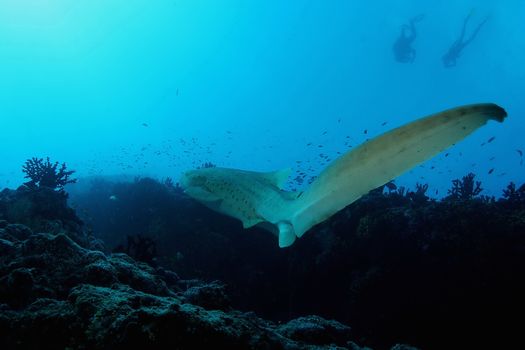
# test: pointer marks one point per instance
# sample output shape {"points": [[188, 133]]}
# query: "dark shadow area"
{"points": [[396, 265]]}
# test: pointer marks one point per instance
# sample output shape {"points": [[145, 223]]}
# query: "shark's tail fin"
{"points": [[383, 158]]}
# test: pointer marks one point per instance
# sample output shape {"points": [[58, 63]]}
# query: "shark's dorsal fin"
{"points": [[278, 178]]}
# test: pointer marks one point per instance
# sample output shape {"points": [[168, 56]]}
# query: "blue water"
{"points": [[152, 88]]}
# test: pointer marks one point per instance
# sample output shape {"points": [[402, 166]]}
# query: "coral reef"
{"points": [[465, 189], [396, 265], [58, 293], [140, 248], [208, 295], [44, 210], [514, 196], [43, 173]]}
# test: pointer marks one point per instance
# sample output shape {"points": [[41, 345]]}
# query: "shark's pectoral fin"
{"points": [[286, 234], [284, 230]]}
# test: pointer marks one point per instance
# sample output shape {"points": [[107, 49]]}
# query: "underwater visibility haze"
{"points": [[261, 175]]}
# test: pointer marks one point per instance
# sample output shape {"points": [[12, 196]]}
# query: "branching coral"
{"points": [[172, 186], [43, 173], [514, 195], [466, 188], [419, 195]]}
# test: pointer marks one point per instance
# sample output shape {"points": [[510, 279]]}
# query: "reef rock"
{"points": [[55, 293], [59, 288], [316, 330]]}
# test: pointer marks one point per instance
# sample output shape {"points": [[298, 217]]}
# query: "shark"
{"points": [[259, 198]]}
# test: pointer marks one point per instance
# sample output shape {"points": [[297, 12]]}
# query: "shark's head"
{"points": [[195, 184], [192, 178]]}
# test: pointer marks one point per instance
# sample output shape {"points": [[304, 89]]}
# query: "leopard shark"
{"points": [[258, 198]]}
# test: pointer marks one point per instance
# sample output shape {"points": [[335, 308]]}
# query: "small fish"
{"points": [[383, 123], [324, 133], [520, 152], [113, 197], [145, 125], [491, 139], [446, 154], [365, 131], [491, 170]]}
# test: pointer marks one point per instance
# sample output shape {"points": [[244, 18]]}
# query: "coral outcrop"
{"points": [[396, 265], [60, 292], [42, 173]]}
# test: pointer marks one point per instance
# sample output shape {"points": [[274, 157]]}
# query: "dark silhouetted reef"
{"points": [[156, 269], [60, 287], [396, 265]]}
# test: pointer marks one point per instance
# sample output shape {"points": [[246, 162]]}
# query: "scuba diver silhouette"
{"points": [[403, 50], [449, 59]]}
